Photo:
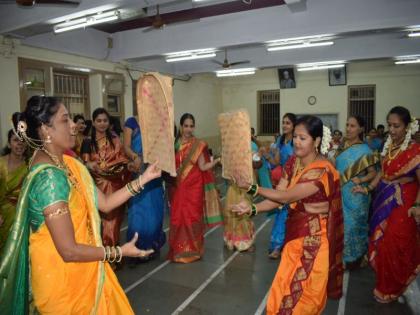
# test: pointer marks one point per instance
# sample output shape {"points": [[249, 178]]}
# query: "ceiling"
{"points": [[360, 30]]}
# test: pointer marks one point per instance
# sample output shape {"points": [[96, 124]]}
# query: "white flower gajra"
{"points": [[326, 140], [413, 127]]}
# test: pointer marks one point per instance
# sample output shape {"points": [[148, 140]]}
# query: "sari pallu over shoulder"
{"points": [[212, 206], [14, 259], [306, 224]]}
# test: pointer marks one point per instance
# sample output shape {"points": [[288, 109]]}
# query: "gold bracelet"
{"points": [[119, 251], [103, 260], [140, 183], [108, 252], [113, 251], [130, 189], [56, 213]]}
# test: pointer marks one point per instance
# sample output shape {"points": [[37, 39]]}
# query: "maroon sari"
{"points": [[112, 176]]}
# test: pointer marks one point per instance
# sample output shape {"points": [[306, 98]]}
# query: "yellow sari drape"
{"points": [[75, 288]]}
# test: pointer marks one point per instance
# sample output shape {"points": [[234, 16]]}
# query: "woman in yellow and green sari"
{"points": [[13, 169], [57, 226]]}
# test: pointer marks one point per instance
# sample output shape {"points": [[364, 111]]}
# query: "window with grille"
{"points": [[72, 89], [268, 112], [362, 103]]}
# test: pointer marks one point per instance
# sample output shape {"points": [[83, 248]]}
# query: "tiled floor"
{"points": [[226, 282]]}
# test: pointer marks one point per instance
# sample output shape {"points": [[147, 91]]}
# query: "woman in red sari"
{"points": [[191, 196], [104, 156], [311, 267], [394, 246]]}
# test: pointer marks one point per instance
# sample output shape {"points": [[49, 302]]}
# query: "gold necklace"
{"points": [[63, 167], [299, 168], [391, 148]]}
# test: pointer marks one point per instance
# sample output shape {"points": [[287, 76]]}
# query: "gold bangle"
{"points": [[130, 189], [103, 260], [108, 252], [140, 183], [112, 250], [119, 250]]}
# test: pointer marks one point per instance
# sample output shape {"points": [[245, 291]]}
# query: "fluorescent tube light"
{"points": [[414, 34], [408, 61], [190, 57], [235, 72], [320, 67], [286, 46], [86, 21]]}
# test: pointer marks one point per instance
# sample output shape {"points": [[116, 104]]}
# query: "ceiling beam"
{"points": [[191, 14]]}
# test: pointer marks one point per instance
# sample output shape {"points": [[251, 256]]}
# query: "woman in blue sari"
{"points": [[285, 147], [355, 162], [145, 210]]}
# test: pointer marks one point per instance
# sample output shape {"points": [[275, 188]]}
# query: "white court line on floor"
{"points": [[151, 273], [211, 278], [342, 302], [261, 307]]}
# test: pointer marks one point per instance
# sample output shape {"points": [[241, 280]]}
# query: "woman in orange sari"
{"points": [[394, 246], [58, 214], [104, 156], [311, 262], [194, 192]]}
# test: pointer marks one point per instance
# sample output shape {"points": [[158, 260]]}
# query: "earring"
{"points": [[316, 149], [48, 140]]}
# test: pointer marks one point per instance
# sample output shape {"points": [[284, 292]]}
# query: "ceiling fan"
{"points": [[157, 22], [30, 3], [226, 64]]}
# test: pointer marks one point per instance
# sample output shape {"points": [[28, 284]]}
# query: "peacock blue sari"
{"points": [[145, 210], [350, 163]]}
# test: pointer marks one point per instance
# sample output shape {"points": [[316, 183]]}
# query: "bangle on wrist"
{"points": [[416, 205], [103, 248], [119, 252], [253, 210], [253, 190]]}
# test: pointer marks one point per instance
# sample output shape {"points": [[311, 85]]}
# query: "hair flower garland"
{"points": [[413, 127], [326, 140]]}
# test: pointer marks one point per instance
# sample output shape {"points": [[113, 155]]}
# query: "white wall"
{"points": [[395, 85]]}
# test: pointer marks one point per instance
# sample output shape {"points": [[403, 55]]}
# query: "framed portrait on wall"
{"points": [[337, 76], [287, 78]]}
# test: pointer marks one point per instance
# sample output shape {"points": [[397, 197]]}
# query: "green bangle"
{"points": [[253, 210], [253, 190], [416, 205]]}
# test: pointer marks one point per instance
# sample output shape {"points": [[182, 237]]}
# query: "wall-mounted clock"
{"points": [[312, 100]]}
